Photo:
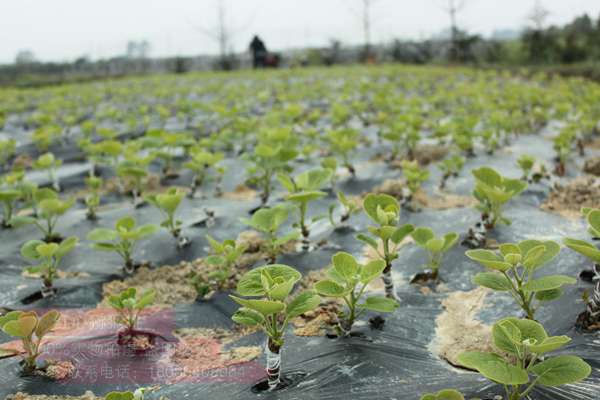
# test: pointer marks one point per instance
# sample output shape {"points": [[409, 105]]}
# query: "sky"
{"points": [[63, 30]]}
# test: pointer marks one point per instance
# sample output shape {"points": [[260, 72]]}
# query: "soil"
{"points": [[568, 199], [585, 322], [241, 193], [320, 321], [440, 201], [592, 166], [457, 329], [425, 154], [60, 274], [59, 370]]}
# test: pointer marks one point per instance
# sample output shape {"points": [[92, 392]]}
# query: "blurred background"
{"points": [[57, 41]]}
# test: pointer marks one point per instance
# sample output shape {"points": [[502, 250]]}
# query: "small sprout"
{"points": [[92, 199], [202, 164], [342, 144], [47, 162], [348, 280], [513, 269], [225, 257], [303, 189], [137, 395], [122, 239], [415, 175], [8, 148], [331, 164], [268, 221], [446, 394], [492, 191], [267, 161], [384, 210], [349, 208], [523, 346], [563, 146], [592, 314], [450, 167], [271, 308], [133, 175], [167, 203], [436, 247], [30, 329], [9, 198], [129, 305], [49, 208], [48, 255], [532, 171]]}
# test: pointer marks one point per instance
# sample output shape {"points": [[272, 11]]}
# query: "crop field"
{"points": [[374, 232]]}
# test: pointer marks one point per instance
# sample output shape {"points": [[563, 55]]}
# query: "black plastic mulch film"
{"points": [[394, 363]]}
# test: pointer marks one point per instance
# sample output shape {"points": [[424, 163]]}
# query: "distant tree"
{"points": [[24, 57]]}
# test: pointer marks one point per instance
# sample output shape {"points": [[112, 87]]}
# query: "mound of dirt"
{"points": [[592, 166], [568, 199]]}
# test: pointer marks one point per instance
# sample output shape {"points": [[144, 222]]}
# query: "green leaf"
{"points": [[561, 370], [422, 236], [119, 396], [250, 283], [371, 271], [280, 291], [493, 367], [145, 299], [29, 249], [368, 240], [265, 307], [493, 281], [528, 331], [400, 233], [509, 248], [548, 283], [125, 223], [549, 344], [22, 327], [248, 317], [66, 246], [583, 247], [446, 394], [304, 302], [548, 295], [102, 235], [379, 304], [345, 265], [383, 201], [489, 259], [450, 240], [46, 250], [46, 323], [330, 288]]}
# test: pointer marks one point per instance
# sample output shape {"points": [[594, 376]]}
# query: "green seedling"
{"points": [[493, 191], [522, 361], [384, 211], [48, 255], [530, 174], [225, 257], [342, 144], [9, 198], [49, 209], [128, 305], [592, 314], [268, 221], [137, 395], [303, 189], [167, 203], [133, 175], [202, 164], [563, 146], [92, 199], [8, 148], [415, 175], [513, 269], [349, 208], [331, 164], [450, 167], [47, 162], [267, 162], [270, 308], [435, 247], [122, 239], [31, 330], [347, 280], [446, 394]]}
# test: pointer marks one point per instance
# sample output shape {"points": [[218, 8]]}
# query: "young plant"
{"points": [[48, 255], [331, 164], [303, 189], [122, 239], [523, 346], [137, 395], [30, 329], [268, 161], [9, 198], [47, 162], [271, 308], [436, 247], [592, 314], [201, 165], [133, 175], [342, 144], [450, 167], [225, 257], [527, 164], [415, 175], [128, 305], [492, 191], [384, 210], [268, 221], [92, 199], [49, 209], [446, 394], [349, 208], [167, 203], [347, 280], [513, 271]]}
